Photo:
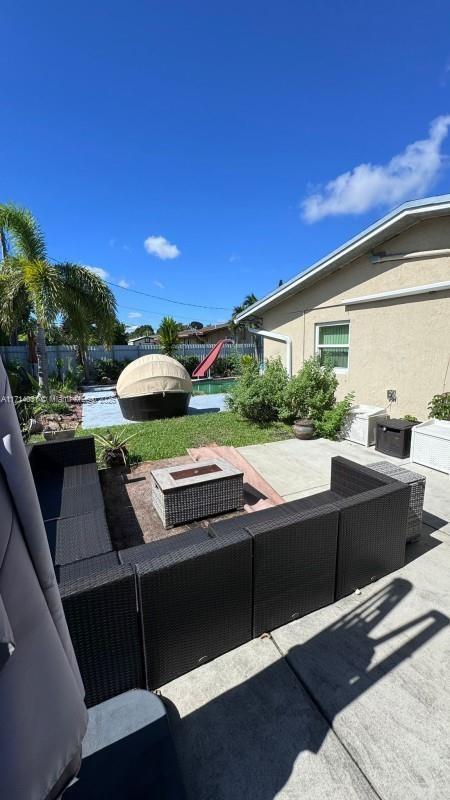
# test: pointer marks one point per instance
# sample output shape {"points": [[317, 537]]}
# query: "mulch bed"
{"points": [[131, 517]]}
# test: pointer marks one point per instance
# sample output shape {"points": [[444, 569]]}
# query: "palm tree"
{"points": [[168, 335], [29, 283], [248, 300]]}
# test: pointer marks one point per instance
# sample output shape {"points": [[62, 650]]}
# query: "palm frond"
{"points": [[24, 232], [43, 283], [84, 295]]}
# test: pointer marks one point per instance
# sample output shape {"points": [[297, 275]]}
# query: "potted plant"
{"points": [[113, 450]]}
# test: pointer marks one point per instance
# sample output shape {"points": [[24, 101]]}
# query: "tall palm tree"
{"points": [[29, 283], [248, 300]]}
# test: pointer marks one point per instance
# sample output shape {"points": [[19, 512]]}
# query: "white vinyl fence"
{"points": [[67, 354]]}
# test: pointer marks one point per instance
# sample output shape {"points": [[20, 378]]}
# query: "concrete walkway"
{"points": [[351, 702], [101, 407]]}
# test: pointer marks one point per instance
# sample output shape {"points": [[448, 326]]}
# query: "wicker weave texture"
{"points": [[349, 479], [189, 503], [87, 566], [372, 537], [102, 617], [50, 455], [294, 568], [80, 537], [416, 483], [195, 605]]}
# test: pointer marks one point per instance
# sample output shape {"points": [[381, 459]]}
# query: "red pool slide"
{"points": [[210, 359]]}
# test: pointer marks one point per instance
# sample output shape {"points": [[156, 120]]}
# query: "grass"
{"points": [[165, 438]]}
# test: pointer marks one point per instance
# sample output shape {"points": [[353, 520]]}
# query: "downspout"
{"points": [[277, 337]]}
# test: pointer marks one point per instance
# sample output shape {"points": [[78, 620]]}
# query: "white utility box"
{"points": [[363, 423]]}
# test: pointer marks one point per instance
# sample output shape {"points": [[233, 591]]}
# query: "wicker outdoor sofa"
{"points": [[146, 615]]}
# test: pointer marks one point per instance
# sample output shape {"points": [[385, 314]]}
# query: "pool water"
{"points": [[212, 385]]}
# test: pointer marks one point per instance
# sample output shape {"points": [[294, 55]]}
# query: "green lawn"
{"points": [[165, 438]]}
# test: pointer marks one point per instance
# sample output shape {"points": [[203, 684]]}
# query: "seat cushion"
{"points": [[57, 500]]}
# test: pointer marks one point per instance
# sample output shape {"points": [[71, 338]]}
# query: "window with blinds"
{"points": [[332, 343]]}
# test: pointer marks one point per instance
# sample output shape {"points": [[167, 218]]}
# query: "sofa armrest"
{"points": [[349, 478], [102, 617]]}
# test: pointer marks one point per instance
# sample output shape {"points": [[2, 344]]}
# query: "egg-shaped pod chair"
{"points": [[152, 387]]}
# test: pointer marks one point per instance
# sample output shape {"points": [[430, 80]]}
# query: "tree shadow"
{"points": [[246, 741]]}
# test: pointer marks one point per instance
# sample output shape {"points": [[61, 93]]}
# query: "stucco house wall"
{"points": [[401, 344]]}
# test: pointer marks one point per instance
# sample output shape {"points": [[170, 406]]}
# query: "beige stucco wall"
{"points": [[396, 344]]}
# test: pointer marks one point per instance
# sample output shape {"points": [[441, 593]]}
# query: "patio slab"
{"points": [[352, 701], [377, 665], [298, 468], [244, 727]]}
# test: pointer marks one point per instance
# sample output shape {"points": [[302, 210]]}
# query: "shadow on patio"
{"points": [[245, 741]]}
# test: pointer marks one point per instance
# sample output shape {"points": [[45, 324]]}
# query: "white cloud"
{"points": [[134, 315], [160, 247], [158, 284], [102, 273], [234, 257], [408, 175], [112, 242], [124, 284]]}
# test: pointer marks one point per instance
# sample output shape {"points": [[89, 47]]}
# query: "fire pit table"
{"points": [[186, 493]]}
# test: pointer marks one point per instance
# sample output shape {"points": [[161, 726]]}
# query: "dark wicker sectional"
{"points": [[144, 616]]}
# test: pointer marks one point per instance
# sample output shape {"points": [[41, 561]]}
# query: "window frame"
{"points": [[319, 347]]}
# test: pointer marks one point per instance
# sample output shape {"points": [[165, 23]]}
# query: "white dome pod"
{"points": [[154, 386]]}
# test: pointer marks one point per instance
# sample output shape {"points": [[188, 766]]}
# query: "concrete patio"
{"points": [[352, 701]]}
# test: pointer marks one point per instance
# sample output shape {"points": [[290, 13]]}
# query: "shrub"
{"points": [[332, 423], [256, 397], [109, 368], [189, 362], [439, 407], [227, 366], [311, 392]]}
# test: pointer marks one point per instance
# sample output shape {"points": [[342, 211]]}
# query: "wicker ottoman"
{"points": [[417, 484], [186, 493]]}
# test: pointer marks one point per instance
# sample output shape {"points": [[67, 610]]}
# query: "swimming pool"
{"points": [[212, 385]]}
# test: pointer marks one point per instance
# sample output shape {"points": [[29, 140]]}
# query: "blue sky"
{"points": [[233, 138]]}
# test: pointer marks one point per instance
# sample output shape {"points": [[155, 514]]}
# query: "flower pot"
{"points": [[59, 436], [303, 429]]}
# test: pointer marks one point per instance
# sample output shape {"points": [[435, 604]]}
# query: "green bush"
{"points": [[189, 362], [273, 396], [311, 392], [256, 397], [439, 407], [109, 368], [21, 382], [227, 366]]}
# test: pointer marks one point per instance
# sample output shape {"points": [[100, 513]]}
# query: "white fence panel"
{"points": [[64, 357]]}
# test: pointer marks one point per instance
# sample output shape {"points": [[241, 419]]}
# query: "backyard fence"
{"points": [[66, 355]]}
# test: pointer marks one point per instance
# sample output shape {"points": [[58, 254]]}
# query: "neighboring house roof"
{"points": [[392, 224], [205, 330], [142, 338]]}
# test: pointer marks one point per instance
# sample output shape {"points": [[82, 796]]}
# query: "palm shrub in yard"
{"points": [[309, 394]]}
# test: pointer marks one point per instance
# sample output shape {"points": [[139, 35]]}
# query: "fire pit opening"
{"points": [[192, 472]]}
